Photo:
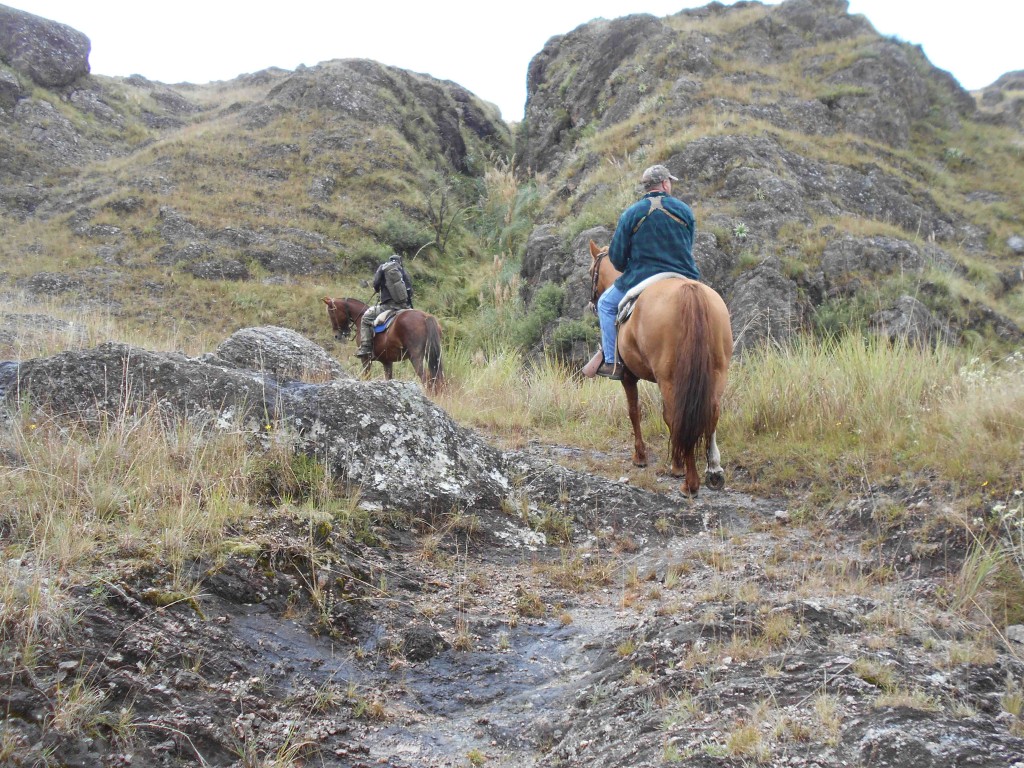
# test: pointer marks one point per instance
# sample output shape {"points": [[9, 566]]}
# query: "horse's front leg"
{"points": [[629, 382], [387, 370], [714, 478]]}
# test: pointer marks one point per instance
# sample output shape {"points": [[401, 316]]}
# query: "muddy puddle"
{"points": [[500, 698]]}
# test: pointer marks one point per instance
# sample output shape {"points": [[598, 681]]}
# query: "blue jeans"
{"points": [[607, 308]]}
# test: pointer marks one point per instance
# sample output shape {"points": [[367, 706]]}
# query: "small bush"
{"points": [[274, 479], [568, 333], [404, 235], [547, 306]]}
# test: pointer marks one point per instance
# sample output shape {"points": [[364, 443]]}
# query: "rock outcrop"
{"points": [[1003, 100], [51, 54], [385, 438], [431, 114]]}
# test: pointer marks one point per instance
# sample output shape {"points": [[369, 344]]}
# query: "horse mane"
{"points": [[694, 410]]}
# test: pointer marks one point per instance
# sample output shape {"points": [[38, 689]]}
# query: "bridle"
{"points": [[339, 311]]}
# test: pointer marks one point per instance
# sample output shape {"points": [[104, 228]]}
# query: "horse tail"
{"points": [[693, 410], [432, 354]]}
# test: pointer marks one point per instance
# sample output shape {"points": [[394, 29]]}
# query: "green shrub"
{"points": [[405, 236], [547, 306], [568, 333]]}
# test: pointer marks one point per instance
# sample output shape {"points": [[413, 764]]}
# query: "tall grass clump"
{"points": [[546, 399], [849, 407], [976, 433], [130, 486], [507, 208]]}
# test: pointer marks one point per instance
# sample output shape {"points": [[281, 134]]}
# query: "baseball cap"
{"points": [[655, 175]]}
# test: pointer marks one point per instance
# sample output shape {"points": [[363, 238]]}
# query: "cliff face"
{"points": [[794, 129]]}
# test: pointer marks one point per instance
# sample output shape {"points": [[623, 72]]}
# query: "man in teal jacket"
{"points": [[653, 235]]}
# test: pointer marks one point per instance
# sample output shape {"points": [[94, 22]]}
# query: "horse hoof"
{"points": [[639, 463], [715, 480]]}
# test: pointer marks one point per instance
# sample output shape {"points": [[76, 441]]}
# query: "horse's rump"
{"points": [[670, 330]]}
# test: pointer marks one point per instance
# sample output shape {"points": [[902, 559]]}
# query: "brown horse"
{"points": [[413, 335], [678, 336]]}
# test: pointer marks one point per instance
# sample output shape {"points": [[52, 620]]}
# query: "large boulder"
{"points": [[11, 89], [280, 352], [52, 54]]}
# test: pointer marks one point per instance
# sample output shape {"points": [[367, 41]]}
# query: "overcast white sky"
{"points": [[484, 46]]}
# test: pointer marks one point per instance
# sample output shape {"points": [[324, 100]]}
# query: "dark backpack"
{"points": [[394, 282]]}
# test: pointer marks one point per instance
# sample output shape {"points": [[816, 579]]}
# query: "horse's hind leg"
{"points": [[416, 358], [633, 406], [714, 478]]}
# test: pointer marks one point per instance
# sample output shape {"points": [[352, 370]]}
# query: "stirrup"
{"points": [[590, 369]]}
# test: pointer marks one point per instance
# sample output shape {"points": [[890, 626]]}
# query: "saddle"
{"points": [[629, 300], [384, 320]]}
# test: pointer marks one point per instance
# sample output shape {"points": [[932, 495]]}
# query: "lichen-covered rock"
{"points": [[50, 53], [49, 283], [850, 256], [386, 439], [281, 352], [219, 269], [115, 378]]}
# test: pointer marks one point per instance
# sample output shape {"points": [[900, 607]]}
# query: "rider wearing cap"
{"points": [[655, 234]]}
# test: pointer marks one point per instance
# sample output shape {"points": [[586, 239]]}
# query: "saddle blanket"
{"points": [[385, 319], [626, 305]]}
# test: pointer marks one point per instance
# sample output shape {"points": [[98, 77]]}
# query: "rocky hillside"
{"points": [[121, 192], [838, 177]]}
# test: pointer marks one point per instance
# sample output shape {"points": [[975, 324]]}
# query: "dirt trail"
{"points": [[752, 639]]}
